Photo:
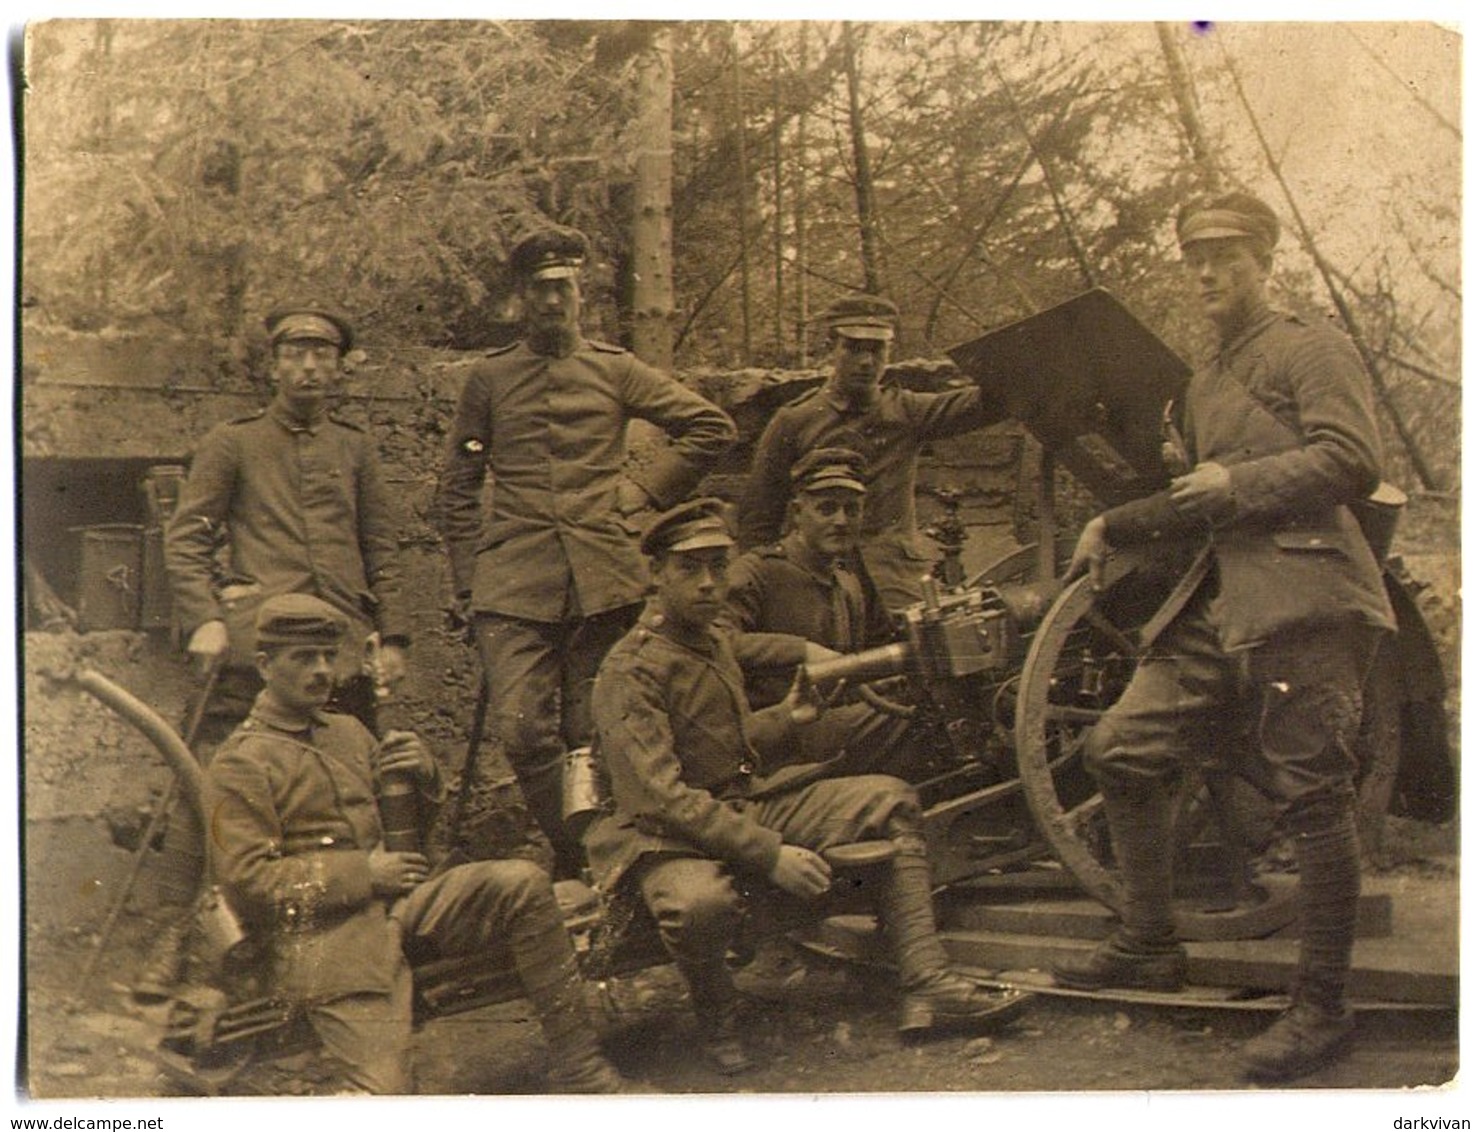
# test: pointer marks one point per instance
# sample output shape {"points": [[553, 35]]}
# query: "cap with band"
{"points": [[549, 253], [698, 524], [299, 619], [862, 316], [825, 468], [1235, 216], [310, 323]]}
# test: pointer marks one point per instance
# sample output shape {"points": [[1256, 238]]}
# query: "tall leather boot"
{"points": [[180, 869], [716, 1005], [1318, 1028], [1143, 953], [935, 999], [552, 982]]}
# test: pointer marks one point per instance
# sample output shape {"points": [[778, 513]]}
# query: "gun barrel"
{"points": [[862, 667]]}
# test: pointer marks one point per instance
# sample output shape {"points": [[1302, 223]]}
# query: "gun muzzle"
{"points": [[861, 667]]}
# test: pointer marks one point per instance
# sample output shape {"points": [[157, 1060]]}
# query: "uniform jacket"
{"points": [[551, 433], [778, 603], [683, 751], [304, 510], [1285, 406], [888, 435], [291, 818]]}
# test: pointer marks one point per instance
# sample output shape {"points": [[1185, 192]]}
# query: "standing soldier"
{"points": [[286, 500], [883, 423], [1284, 610], [554, 577]]}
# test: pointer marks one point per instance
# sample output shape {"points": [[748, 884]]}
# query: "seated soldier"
{"points": [[795, 602], [296, 843], [696, 822]]}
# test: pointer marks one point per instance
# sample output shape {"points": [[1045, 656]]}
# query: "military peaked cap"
{"points": [[823, 468], [862, 316], [697, 524], [299, 619], [1234, 215], [549, 253], [310, 321]]}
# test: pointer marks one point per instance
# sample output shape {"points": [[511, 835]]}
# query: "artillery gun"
{"points": [[1003, 674]]}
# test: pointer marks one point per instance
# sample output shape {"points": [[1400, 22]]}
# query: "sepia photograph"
{"points": [[725, 558]]}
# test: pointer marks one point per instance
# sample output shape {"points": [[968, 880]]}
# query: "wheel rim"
{"points": [[1080, 658]]}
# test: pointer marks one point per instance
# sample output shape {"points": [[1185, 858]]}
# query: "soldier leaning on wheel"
{"points": [[1285, 608]]}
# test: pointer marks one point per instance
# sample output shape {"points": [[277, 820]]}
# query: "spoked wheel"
{"points": [[1080, 661]]}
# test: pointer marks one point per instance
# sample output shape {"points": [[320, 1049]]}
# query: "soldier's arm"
{"points": [[939, 415], [636, 739], [197, 527], [1338, 459], [763, 503], [699, 432], [457, 509], [268, 880], [379, 550]]}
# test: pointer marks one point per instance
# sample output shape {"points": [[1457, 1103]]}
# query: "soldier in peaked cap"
{"points": [[555, 575], [297, 497], [886, 425], [299, 851], [796, 601], [699, 817], [1280, 617]]}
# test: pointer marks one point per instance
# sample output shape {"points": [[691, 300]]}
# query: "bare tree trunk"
{"points": [[1051, 181], [1186, 97], [779, 298], [799, 205], [863, 173], [742, 193], [653, 220]]}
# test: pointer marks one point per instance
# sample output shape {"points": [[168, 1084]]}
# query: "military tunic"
{"points": [[304, 509], [1283, 604], [551, 431], [292, 813], [688, 764], [778, 603], [888, 435]]}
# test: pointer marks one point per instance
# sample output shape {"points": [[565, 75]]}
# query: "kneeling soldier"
{"points": [[297, 844], [696, 823]]}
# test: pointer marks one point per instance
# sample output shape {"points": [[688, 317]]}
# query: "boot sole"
{"points": [[1274, 1074], [1010, 1009]]}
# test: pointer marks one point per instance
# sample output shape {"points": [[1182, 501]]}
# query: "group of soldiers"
{"points": [[613, 609]]}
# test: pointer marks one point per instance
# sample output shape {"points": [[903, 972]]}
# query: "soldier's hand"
{"points": [[805, 702], [208, 644], [630, 498], [801, 872], [395, 874], [403, 752], [1090, 554], [1206, 492]]}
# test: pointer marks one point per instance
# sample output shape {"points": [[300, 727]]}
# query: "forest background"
{"points": [[180, 176]]}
